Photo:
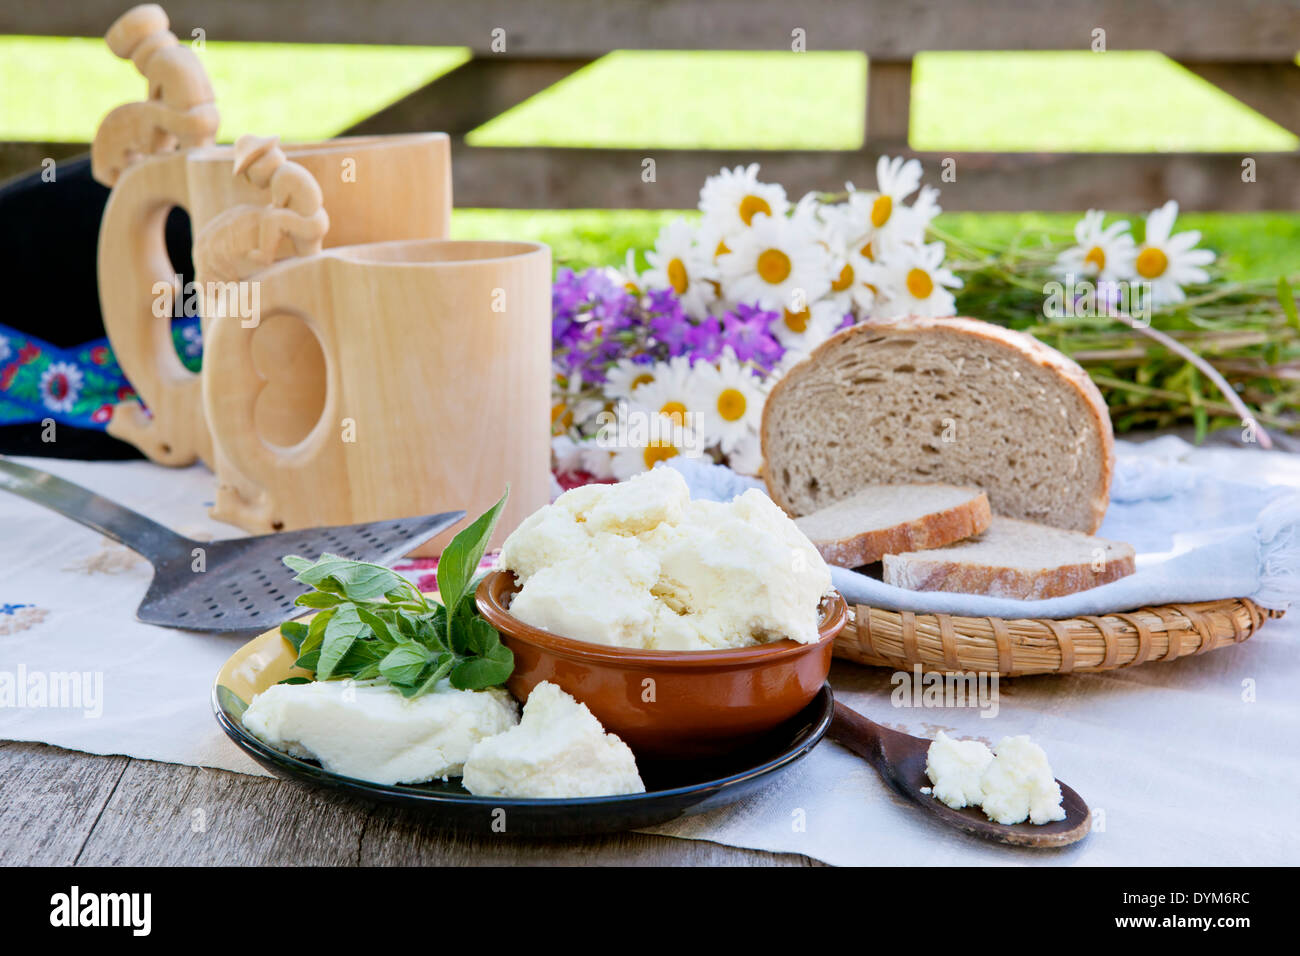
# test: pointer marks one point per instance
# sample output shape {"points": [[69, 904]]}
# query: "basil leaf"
{"points": [[439, 669], [319, 599], [295, 632], [404, 663], [460, 559], [355, 580], [378, 625], [486, 670], [296, 680], [344, 627]]}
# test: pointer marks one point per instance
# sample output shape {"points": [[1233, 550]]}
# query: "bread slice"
{"points": [[953, 401], [1014, 559], [889, 519]]}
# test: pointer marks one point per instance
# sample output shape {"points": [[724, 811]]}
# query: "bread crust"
{"points": [[1029, 347], [934, 530], [921, 574]]}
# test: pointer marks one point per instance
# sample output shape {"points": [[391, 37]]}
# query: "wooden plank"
{"points": [[543, 178], [468, 96], [58, 807], [1260, 30], [889, 101], [1271, 89], [50, 801], [554, 178]]}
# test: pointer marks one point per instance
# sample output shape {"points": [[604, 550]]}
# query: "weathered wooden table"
{"points": [[58, 807]]}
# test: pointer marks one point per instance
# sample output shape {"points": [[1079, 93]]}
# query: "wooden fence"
{"points": [[1247, 48]]}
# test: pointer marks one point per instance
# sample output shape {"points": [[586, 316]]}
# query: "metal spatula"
{"points": [[243, 586]]}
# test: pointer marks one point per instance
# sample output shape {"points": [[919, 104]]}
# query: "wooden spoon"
{"points": [[900, 759]]}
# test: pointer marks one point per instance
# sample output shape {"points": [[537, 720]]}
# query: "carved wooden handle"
{"points": [[179, 110]]}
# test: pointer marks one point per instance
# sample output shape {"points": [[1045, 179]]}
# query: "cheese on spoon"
{"points": [[1012, 784]]}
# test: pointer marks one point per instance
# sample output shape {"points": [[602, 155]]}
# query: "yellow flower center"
{"points": [[677, 276], [1097, 257], [797, 321], [657, 451], [845, 279], [731, 404], [881, 210], [674, 412], [867, 253], [1152, 263], [645, 378], [722, 249], [561, 415], [631, 287], [751, 206], [920, 284], [773, 266]]}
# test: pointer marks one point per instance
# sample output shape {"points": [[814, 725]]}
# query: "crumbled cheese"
{"points": [[639, 564], [955, 768], [558, 749], [1019, 783], [369, 731], [1012, 784]]}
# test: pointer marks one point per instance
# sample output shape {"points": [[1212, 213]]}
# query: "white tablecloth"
{"points": [[1191, 762]]}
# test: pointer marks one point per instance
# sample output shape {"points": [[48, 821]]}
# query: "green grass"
{"points": [[57, 89], [1250, 245]]}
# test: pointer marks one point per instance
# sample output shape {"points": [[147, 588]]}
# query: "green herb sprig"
{"points": [[374, 623]]}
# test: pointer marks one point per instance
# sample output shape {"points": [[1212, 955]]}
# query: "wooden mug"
{"points": [[374, 188], [437, 358]]}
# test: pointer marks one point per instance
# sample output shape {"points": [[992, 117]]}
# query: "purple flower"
{"points": [[747, 330]]}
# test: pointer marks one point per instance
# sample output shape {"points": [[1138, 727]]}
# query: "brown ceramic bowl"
{"points": [[701, 703]]}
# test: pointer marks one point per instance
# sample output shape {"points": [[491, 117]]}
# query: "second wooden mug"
{"points": [[374, 188], [437, 358]]}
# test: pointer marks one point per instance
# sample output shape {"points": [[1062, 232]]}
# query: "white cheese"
{"points": [[557, 750], [370, 732], [1019, 784], [639, 564], [1012, 783], [955, 768]]}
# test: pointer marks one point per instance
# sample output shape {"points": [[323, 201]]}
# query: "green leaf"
{"points": [[404, 663], [442, 666], [355, 580], [318, 599], [487, 670], [378, 625], [460, 559], [295, 632], [1287, 299], [296, 680], [344, 627]]}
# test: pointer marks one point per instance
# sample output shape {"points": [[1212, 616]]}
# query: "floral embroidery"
{"points": [[76, 386], [20, 617]]}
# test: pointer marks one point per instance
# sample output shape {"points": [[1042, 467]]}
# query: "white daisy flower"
{"points": [[60, 386], [913, 281], [671, 392], [1167, 261], [731, 199], [678, 263], [627, 275], [569, 407], [885, 207], [566, 454], [596, 461], [731, 399], [804, 330], [776, 263], [851, 257], [625, 376], [1102, 253], [646, 440]]}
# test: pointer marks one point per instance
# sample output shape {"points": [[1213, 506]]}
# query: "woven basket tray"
{"points": [[944, 642]]}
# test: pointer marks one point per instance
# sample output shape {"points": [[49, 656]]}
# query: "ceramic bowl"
{"points": [[669, 704]]}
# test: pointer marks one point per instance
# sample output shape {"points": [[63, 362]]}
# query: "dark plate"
{"points": [[672, 789]]}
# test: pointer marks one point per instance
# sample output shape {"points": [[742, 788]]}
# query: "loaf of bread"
{"points": [[1014, 559], [889, 519], [953, 401]]}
